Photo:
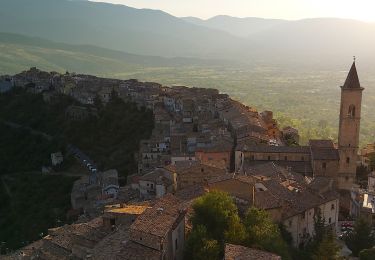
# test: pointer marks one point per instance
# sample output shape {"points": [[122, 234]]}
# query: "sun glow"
{"points": [[286, 9]]}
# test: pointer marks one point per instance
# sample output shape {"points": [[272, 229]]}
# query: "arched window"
{"points": [[351, 111]]}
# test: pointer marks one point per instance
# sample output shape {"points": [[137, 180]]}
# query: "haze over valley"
{"points": [[294, 68]]}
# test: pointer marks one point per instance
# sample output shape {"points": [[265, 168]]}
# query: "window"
{"points": [[302, 158], [332, 206], [324, 165], [286, 158], [351, 111], [175, 244], [252, 157], [269, 158], [347, 160], [329, 220], [202, 170]]}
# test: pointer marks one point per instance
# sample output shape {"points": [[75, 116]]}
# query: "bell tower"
{"points": [[350, 119]]}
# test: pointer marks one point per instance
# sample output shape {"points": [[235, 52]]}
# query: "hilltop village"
{"points": [[202, 141]]}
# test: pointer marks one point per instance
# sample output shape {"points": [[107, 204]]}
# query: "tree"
{"points": [[286, 235], [361, 237], [327, 248], [235, 233], [263, 233], [367, 254], [320, 230], [98, 102], [217, 212], [199, 246]]}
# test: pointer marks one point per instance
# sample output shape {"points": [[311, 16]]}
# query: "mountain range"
{"points": [[156, 33], [292, 67]]}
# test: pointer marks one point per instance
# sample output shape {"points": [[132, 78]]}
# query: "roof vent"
{"points": [[160, 210]]}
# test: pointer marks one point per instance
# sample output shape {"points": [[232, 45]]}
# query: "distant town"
{"points": [[203, 142]]}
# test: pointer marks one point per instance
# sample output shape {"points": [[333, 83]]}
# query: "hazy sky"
{"points": [[286, 9]]}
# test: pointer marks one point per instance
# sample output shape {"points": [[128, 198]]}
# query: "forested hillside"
{"points": [[34, 201]]}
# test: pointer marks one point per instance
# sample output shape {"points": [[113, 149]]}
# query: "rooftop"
{"points": [[236, 252], [135, 251], [274, 149], [129, 209], [352, 81], [159, 219]]}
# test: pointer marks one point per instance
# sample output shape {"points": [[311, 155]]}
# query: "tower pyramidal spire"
{"points": [[349, 128], [352, 81]]}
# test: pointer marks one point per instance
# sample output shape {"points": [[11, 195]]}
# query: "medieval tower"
{"points": [[350, 118]]}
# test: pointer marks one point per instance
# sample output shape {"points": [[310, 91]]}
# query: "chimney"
{"points": [[160, 210]]}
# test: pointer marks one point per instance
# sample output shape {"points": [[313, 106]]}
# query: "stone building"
{"points": [[158, 233], [123, 215], [349, 126], [288, 197], [218, 154], [157, 183], [297, 158], [324, 158], [320, 157], [57, 158]]}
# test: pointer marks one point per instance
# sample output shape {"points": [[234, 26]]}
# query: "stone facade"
{"points": [[349, 126]]}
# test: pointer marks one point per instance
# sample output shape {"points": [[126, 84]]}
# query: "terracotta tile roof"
{"points": [[323, 150], [321, 143], [303, 168], [222, 146], [159, 219], [271, 170], [266, 200], [244, 179], [188, 167], [158, 176], [65, 237], [352, 81], [134, 251], [128, 209], [221, 178], [191, 192], [111, 245], [275, 149], [236, 252], [298, 198], [325, 154]]}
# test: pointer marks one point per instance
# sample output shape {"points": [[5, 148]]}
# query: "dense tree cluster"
{"points": [[111, 139], [361, 238], [216, 222]]}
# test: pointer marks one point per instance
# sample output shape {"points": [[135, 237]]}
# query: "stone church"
{"points": [[319, 157]]}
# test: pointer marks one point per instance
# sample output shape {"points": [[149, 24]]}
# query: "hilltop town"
{"points": [[202, 141]]}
